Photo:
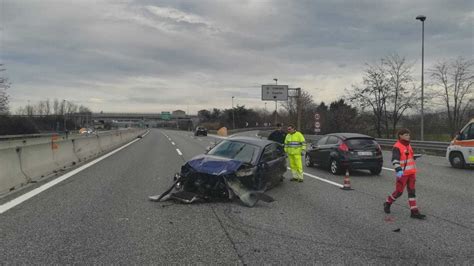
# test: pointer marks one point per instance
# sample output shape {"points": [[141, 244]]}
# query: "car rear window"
{"points": [[361, 144]]}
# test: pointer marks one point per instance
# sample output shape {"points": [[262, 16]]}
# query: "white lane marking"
{"points": [[321, 179], [388, 169], [5, 207], [200, 139], [172, 143], [179, 152], [146, 133]]}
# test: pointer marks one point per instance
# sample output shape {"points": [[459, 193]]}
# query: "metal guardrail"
{"points": [[27, 136], [424, 145], [436, 146], [61, 134]]}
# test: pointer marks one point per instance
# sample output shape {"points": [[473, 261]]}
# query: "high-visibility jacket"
{"points": [[295, 143], [406, 161]]}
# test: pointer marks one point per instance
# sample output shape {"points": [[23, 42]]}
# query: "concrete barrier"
{"points": [[37, 160], [86, 147], [11, 175], [25, 163]]}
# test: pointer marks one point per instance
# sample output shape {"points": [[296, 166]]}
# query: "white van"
{"points": [[460, 152]]}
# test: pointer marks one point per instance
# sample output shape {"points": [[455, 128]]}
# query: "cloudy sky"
{"points": [[162, 55]]}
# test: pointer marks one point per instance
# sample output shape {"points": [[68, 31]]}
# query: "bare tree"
{"points": [[455, 81], [56, 107], [307, 106], [4, 85], [47, 107], [372, 95], [388, 92], [402, 93], [40, 108]]}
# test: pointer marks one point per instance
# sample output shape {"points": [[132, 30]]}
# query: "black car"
{"points": [[200, 131], [340, 151], [241, 167]]}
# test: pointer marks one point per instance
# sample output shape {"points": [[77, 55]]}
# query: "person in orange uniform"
{"points": [[405, 167]]}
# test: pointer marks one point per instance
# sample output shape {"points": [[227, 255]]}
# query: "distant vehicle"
{"points": [[340, 151], [200, 131], [460, 152], [86, 131], [241, 167]]}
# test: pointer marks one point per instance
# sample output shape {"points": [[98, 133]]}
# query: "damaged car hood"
{"points": [[213, 165]]}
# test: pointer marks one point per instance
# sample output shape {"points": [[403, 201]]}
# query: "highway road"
{"points": [[101, 215]]}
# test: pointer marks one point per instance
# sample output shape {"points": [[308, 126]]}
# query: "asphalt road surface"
{"points": [[101, 215]]}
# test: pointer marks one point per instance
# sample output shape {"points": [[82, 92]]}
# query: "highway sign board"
{"points": [[165, 115], [274, 92]]}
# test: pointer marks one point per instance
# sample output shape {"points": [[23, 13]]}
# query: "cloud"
{"points": [[147, 55]]}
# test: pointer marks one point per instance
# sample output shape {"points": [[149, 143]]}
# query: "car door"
{"points": [[315, 152], [330, 147], [272, 163]]}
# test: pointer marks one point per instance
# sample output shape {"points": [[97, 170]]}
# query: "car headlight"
{"points": [[245, 172]]}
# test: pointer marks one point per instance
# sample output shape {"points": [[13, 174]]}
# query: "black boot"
{"points": [[386, 207], [417, 215]]}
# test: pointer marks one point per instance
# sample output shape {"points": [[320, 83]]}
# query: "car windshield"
{"points": [[361, 144], [235, 150]]}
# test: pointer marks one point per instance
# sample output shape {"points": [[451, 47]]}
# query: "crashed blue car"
{"points": [[238, 167]]}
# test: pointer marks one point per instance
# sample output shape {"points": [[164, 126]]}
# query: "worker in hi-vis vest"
{"points": [[403, 160], [295, 146]]}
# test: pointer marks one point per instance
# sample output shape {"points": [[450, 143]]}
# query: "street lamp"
{"points": [[422, 19], [233, 113], [276, 104], [64, 114]]}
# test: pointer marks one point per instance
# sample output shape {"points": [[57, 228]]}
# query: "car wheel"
{"points": [[307, 161], [376, 171], [334, 167], [457, 160]]}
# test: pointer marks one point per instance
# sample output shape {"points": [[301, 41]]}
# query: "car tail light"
{"points": [[343, 147], [378, 149]]}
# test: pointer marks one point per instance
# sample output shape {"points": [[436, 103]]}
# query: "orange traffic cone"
{"points": [[347, 181]]}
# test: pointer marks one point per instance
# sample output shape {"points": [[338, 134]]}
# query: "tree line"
{"points": [[46, 116]]}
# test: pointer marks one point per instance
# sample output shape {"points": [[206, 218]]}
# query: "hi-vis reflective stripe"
{"points": [[413, 207], [294, 144], [408, 161], [411, 199], [409, 167]]}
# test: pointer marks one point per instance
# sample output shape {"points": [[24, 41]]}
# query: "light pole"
{"points": [[422, 19], [298, 108], [276, 104], [64, 114], [233, 113]]}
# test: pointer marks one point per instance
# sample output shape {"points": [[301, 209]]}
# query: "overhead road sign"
{"points": [[274, 92], [165, 115]]}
